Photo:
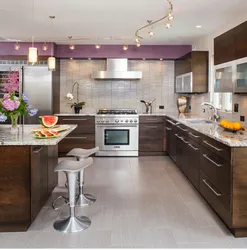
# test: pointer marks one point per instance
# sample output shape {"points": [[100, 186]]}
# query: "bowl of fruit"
{"points": [[231, 126]]}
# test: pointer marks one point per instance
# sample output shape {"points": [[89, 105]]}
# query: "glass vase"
{"points": [[14, 123]]}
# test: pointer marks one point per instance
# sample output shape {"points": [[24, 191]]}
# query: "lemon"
{"points": [[223, 123]]}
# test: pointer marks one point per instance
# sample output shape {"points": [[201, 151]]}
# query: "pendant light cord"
{"points": [[33, 25]]}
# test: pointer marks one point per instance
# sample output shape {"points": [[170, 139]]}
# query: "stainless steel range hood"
{"points": [[117, 69]]}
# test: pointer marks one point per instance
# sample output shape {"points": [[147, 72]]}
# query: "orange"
{"points": [[223, 123], [237, 126]]}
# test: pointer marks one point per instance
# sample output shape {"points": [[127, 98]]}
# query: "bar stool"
{"points": [[73, 223], [79, 154]]}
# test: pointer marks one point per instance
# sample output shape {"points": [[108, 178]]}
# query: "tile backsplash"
{"points": [[157, 82]]}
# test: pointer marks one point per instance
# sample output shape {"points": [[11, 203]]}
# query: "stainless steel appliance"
{"points": [[117, 69], [117, 132], [36, 82]]}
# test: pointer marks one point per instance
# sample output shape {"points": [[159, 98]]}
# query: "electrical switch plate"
{"points": [[242, 118], [161, 107], [236, 107]]}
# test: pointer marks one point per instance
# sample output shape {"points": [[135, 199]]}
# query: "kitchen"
{"points": [[146, 100]]}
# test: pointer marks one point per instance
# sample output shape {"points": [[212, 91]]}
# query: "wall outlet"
{"points": [[242, 118], [189, 107], [236, 106], [161, 107]]}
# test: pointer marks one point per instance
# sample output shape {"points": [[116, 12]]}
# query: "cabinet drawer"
{"points": [[151, 145], [194, 135], [217, 148], [218, 200], [86, 125], [217, 169], [151, 130], [86, 141], [151, 119]]}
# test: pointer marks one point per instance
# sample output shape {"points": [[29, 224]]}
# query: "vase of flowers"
{"points": [[13, 105]]}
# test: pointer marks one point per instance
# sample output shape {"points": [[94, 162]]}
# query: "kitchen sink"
{"points": [[199, 120]]}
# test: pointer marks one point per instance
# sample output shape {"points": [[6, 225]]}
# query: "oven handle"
{"points": [[118, 126]]}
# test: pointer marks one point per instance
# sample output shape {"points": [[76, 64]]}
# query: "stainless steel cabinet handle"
{"points": [[79, 137], [215, 163], [195, 136], [171, 122], [151, 120], [178, 136], [212, 189], [154, 127], [196, 149], [185, 141], [185, 130], [168, 129], [72, 119], [38, 150], [212, 146]]}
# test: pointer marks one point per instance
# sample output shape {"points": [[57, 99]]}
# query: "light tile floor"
{"points": [[143, 202]]}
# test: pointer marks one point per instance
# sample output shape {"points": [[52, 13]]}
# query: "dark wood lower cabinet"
{"points": [[27, 179], [217, 171]]}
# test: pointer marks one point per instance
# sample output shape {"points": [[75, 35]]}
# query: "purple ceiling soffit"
{"points": [[168, 52], [8, 49]]}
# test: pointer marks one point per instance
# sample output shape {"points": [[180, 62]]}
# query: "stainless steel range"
{"points": [[117, 132]]}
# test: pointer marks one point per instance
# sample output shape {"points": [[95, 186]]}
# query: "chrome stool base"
{"points": [[72, 224], [84, 200]]}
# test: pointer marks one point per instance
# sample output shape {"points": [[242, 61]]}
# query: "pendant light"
{"points": [[33, 51], [51, 60], [71, 45]]}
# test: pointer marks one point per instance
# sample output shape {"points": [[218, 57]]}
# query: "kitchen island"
{"points": [[27, 176]]}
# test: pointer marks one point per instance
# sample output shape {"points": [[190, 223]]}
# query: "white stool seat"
{"points": [[73, 166], [82, 153]]}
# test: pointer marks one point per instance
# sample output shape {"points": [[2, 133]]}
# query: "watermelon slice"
{"points": [[54, 133], [39, 134], [46, 133], [48, 121]]}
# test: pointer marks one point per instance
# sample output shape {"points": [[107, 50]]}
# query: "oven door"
{"points": [[116, 138]]}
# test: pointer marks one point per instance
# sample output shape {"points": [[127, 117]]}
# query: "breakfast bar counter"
{"points": [[27, 176]]}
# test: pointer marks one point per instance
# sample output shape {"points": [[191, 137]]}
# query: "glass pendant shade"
{"points": [[32, 55], [51, 63]]}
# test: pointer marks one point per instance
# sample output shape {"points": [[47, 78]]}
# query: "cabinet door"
{"points": [[188, 82], [179, 84], [39, 179], [224, 50], [151, 137], [223, 79], [193, 166], [52, 163], [240, 40], [241, 81]]}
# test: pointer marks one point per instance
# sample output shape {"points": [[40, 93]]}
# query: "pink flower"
{"points": [[10, 105], [12, 83], [6, 96]]}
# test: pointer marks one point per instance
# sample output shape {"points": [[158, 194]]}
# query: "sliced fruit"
{"points": [[54, 133], [48, 121], [39, 134], [46, 133]]}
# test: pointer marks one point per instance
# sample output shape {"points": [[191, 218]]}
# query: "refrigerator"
{"points": [[36, 82]]}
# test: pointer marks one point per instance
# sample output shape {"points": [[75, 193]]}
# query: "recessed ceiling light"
{"points": [[89, 58], [161, 59], [143, 59], [71, 58], [198, 26]]}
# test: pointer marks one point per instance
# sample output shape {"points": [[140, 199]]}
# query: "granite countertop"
{"points": [[212, 130], [71, 114], [25, 138]]}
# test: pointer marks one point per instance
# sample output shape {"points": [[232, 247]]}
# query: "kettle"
{"points": [[148, 106]]}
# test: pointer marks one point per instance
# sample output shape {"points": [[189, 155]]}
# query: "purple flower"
{"points": [[10, 105], [3, 118], [12, 83], [33, 112], [25, 97]]}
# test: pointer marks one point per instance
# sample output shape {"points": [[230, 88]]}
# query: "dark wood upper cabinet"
{"points": [[196, 63], [231, 45]]}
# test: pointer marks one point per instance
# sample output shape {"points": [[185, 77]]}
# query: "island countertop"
{"points": [[25, 138]]}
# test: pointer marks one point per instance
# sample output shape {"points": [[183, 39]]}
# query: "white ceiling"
{"points": [[114, 18]]}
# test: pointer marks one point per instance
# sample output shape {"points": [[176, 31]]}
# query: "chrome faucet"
{"points": [[216, 116]]}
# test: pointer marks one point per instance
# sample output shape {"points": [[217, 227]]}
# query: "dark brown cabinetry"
{"points": [[196, 63], [216, 170], [82, 137], [27, 179], [151, 135], [231, 45], [170, 127]]}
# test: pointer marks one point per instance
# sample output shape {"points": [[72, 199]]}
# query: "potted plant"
{"points": [[77, 105], [12, 105]]}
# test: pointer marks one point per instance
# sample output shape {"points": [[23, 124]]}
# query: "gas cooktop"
{"points": [[117, 112]]}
